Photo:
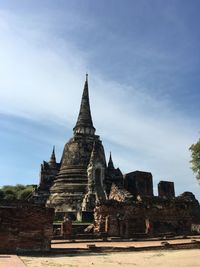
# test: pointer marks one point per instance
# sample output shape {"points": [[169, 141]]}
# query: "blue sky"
{"points": [[143, 61]]}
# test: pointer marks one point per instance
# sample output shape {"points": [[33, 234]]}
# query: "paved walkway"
{"points": [[62, 244], [11, 261]]}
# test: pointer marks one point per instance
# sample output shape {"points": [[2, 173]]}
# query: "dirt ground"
{"points": [[180, 258]]}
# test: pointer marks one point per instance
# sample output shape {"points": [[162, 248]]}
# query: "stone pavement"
{"points": [[64, 244], [11, 261]]}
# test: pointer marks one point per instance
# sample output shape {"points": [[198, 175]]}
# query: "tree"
{"points": [[10, 197], [23, 194], [195, 150], [15, 192], [10, 193]]}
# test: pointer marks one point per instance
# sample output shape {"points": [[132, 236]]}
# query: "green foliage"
{"points": [[195, 150], [9, 191], [24, 193], [17, 192]]}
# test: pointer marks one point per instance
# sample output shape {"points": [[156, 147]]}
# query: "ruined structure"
{"points": [[125, 216], [48, 172], [82, 167], [113, 175], [124, 204], [76, 183]]}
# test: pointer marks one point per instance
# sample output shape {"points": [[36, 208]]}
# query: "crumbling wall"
{"points": [[120, 194], [119, 219], [127, 219], [25, 227]]}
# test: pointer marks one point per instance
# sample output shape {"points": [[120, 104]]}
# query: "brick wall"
{"points": [[25, 227]]}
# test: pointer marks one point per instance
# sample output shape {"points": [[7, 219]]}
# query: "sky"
{"points": [[143, 61]]}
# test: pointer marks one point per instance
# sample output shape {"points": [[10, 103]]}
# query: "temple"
{"points": [[71, 186], [83, 185]]}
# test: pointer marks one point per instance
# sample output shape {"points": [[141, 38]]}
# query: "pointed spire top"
{"points": [[84, 124], [110, 162], [53, 157]]}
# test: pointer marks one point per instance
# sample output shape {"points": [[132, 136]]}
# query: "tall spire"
{"points": [[110, 162], [84, 124], [53, 157]]}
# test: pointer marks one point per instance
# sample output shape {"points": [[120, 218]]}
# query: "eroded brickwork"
{"points": [[25, 227], [124, 217]]}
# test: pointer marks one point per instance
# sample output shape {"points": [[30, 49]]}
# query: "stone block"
{"points": [[166, 189], [139, 183]]}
